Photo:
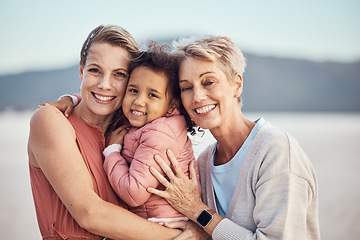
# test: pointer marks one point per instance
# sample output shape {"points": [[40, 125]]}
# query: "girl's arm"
{"points": [[52, 147], [131, 182], [65, 103]]}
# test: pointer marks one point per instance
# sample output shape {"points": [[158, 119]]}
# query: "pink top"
{"points": [[55, 222], [129, 172]]}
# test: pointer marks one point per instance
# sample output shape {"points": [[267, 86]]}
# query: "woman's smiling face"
{"points": [[104, 78], [206, 93]]}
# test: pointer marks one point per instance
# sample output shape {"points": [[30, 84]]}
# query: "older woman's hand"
{"points": [[190, 230], [181, 192]]}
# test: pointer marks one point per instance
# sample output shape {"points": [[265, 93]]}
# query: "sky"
{"points": [[40, 35]]}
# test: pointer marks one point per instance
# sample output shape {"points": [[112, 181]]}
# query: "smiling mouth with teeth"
{"points": [[138, 113], [205, 109], [103, 98]]}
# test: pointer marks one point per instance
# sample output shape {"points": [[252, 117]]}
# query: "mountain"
{"points": [[29, 89], [270, 84], [277, 84]]}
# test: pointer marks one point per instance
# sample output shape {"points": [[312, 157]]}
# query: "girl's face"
{"points": [[146, 98], [207, 94], [104, 78]]}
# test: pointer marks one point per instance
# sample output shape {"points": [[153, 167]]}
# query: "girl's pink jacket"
{"points": [[129, 173]]}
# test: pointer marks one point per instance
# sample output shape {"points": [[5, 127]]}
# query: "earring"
{"points": [[236, 96]]}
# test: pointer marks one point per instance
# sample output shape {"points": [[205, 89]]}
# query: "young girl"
{"points": [[151, 105]]}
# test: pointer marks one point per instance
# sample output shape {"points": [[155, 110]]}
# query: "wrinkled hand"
{"points": [[190, 230], [117, 136], [181, 192], [64, 104]]}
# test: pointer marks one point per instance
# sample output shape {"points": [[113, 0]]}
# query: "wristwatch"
{"points": [[205, 217]]}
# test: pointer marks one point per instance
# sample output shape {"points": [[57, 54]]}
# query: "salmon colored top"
{"points": [[55, 222]]}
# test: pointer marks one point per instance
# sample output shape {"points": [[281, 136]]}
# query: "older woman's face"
{"points": [[206, 93]]}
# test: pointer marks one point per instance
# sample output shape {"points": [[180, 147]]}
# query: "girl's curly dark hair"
{"points": [[158, 58]]}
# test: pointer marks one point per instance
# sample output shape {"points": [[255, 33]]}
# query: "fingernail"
{"points": [[169, 151]]}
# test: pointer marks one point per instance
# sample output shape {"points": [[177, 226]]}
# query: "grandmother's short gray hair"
{"points": [[220, 49]]}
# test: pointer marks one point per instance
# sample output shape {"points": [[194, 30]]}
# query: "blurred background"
{"points": [[302, 75]]}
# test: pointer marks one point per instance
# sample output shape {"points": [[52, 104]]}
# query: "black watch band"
{"points": [[205, 218]]}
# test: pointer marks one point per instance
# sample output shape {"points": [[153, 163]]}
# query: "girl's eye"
{"points": [[152, 95], [133, 90]]}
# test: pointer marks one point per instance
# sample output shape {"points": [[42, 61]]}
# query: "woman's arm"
{"points": [[52, 147]]}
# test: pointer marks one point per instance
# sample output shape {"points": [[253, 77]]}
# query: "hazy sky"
{"points": [[37, 35]]}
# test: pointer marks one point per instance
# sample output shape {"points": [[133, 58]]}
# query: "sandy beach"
{"points": [[331, 140]]}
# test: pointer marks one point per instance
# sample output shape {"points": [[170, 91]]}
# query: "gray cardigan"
{"points": [[276, 195]]}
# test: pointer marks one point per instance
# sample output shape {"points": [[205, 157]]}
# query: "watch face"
{"points": [[204, 218]]}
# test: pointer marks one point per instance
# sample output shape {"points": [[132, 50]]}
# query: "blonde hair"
{"points": [[113, 35], [219, 49]]}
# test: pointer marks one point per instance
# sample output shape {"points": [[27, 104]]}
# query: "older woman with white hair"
{"points": [[256, 181]]}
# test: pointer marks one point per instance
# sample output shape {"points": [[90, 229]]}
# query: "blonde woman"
{"points": [[72, 195]]}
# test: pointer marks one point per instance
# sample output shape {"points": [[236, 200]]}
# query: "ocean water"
{"points": [[331, 140]]}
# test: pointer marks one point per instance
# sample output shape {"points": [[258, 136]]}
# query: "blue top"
{"points": [[225, 176]]}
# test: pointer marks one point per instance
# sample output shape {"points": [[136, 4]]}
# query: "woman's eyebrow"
{"points": [[121, 68], [202, 74], [93, 65], [181, 81]]}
